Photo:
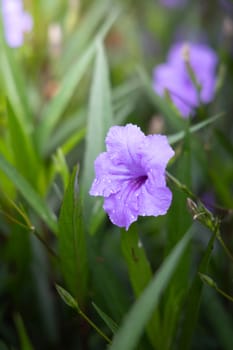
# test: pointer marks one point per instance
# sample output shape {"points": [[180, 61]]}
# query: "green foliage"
{"points": [[72, 242], [142, 310], [85, 66], [100, 118]]}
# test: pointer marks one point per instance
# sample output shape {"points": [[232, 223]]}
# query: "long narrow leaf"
{"points": [[32, 197], [109, 322], [180, 135], [14, 87], [100, 118], [82, 35], [139, 271], [54, 110], [194, 298], [24, 339], [25, 157], [72, 244], [133, 326]]}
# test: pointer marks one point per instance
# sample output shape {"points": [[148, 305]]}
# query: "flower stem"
{"points": [[227, 251], [227, 296], [45, 244], [181, 186], [201, 213], [93, 325]]}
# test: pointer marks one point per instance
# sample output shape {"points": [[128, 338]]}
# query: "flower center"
{"points": [[139, 181]]}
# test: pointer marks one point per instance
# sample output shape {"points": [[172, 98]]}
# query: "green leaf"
{"points": [[135, 321], [55, 109], [67, 298], [25, 343], [32, 197], [193, 300], [109, 322], [139, 271], [223, 324], [100, 118], [179, 221], [67, 130], [180, 135], [26, 160], [138, 265], [14, 86], [72, 243], [82, 35]]}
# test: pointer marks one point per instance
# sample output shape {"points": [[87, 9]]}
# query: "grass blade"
{"points": [[54, 110], [32, 197], [25, 157], [180, 135], [142, 310], [193, 302], [24, 339], [72, 243], [100, 118], [139, 271], [82, 36], [109, 322]]}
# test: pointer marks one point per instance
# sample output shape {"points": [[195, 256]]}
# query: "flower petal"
{"points": [[154, 201], [156, 152], [122, 143], [122, 207]]}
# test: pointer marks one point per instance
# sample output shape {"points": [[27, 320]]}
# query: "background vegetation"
{"points": [[85, 66]]}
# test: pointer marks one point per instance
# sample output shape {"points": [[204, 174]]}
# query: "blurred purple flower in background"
{"points": [[16, 22], [172, 3], [131, 175], [175, 77]]}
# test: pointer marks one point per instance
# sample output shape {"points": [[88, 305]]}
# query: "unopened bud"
{"points": [[185, 51]]}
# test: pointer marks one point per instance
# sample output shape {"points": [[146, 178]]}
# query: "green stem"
{"points": [[181, 186], [43, 241], [227, 296], [227, 251], [93, 325], [201, 213]]}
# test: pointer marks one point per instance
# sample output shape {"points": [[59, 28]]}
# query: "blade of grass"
{"points": [[26, 160], [72, 242], [193, 301], [223, 324], [135, 321], [14, 86], [108, 321], [24, 340], [180, 218], [55, 109], [100, 118], [66, 130], [85, 30], [180, 135], [140, 273], [32, 197]]}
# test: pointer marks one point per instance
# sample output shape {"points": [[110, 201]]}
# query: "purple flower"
{"points": [[16, 22], [131, 175], [173, 3], [174, 76]]}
